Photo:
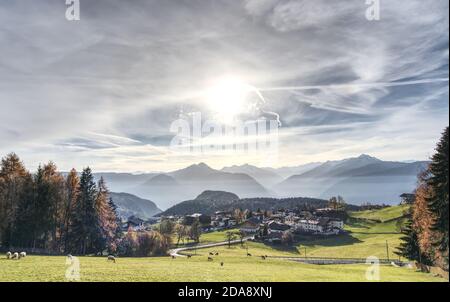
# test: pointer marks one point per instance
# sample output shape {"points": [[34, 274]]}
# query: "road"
{"points": [[176, 252]]}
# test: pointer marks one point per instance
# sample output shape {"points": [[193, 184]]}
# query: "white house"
{"points": [[324, 226], [310, 225]]}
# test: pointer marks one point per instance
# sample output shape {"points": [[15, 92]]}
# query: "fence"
{"points": [[325, 260]]}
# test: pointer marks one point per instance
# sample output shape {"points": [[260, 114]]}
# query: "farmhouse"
{"points": [[251, 226], [276, 227]]}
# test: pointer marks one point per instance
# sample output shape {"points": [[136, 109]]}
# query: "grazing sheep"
{"points": [[112, 258], [22, 255], [221, 263], [8, 255], [173, 257], [211, 254], [249, 255], [217, 253], [210, 259], [263, 257], [15, 256], [189, 256]]}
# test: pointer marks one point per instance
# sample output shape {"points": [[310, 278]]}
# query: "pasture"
{"points": [[237, 267], [364, 238]]}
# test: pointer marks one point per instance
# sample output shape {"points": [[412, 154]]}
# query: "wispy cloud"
{"points": [[103, 91]]}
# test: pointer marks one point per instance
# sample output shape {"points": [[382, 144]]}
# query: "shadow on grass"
{"points": [[360, 223], [340, 240], [310, 241], [282, 248]]}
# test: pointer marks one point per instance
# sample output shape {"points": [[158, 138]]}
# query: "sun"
{"points": [[226, 98]]}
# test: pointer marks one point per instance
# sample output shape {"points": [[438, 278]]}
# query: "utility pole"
{"points": [[305, 253], [387, 250]]}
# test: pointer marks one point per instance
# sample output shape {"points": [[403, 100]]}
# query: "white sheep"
{"points": [[8, 255], [15, 256], [22, 255]]}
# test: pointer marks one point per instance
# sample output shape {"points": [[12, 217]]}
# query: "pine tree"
{"points": [[439, 201], [56, 196], [409, 247], [23, 230], [85, 225], [72, 191]]}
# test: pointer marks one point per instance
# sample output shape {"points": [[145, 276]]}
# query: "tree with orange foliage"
{"points": [[423, 219]]}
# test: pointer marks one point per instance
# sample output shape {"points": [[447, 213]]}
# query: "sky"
{"points": [[104, 91]]}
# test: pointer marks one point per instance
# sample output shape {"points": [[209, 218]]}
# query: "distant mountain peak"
{"points": [[217, 196], [200, 166], [368, 157], [162, 179]]}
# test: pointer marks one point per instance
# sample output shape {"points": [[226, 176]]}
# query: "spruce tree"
{"points": [[85, 225], [409, 247], [72, 187], [438, 200]]}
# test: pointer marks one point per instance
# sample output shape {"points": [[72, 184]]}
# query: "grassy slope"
{"points": [[236, 268], [365, 238], [383, 214]]}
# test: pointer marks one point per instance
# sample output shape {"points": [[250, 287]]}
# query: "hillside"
{"points": [[129, 205], [383, 215], [210, 202]]}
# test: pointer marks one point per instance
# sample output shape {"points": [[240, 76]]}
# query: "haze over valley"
{"points": [[359, 180]]}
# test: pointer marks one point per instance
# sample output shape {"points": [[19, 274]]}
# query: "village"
{"points": [[269, 226]]}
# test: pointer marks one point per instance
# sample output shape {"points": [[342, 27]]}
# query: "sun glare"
{"points": [[227, 98]]}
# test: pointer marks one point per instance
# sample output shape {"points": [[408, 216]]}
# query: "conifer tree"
{"points": [[85, 225], [72, 191], [438, 200], [409, 247]]}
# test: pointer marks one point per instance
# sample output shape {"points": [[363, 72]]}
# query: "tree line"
{"points": [[426, 233], [59, 213]]}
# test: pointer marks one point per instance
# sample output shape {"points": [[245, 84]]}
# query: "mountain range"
{"points": [[359, 179]]}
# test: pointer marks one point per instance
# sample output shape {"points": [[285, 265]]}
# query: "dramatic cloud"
{"points": [[104, 91]]}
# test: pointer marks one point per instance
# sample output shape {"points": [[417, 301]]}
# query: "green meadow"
{"points": [[364, 238]]}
